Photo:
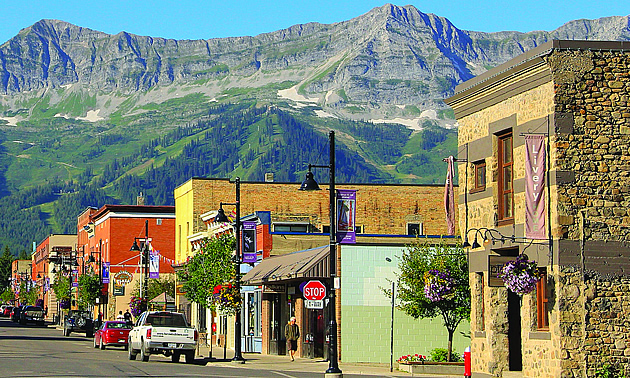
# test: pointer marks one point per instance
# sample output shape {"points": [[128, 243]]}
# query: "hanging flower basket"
{"points": [[438, 285], [137, 305], [227, 299], [520, 275]]}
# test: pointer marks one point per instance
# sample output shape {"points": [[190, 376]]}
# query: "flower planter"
{"points": [[430, 367]]}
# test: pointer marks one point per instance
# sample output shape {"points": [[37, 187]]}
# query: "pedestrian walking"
{"points": [[120, 316], [128, 317], [292, 334]]}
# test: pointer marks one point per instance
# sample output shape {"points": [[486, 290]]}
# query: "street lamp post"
{"points": [[221, 217], [310, 184], [144, 259]]}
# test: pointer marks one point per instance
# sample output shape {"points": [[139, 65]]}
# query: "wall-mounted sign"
{"points": [[274, 289], [495, 264], [123, 277], [119, 290]]}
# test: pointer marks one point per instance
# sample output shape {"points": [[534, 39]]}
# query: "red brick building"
{"points": [[108, 233]]}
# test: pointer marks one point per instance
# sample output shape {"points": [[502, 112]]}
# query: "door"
{"points": [[514, 332], [275, 324], [313, 339]]}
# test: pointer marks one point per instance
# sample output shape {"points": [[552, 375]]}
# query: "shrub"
{"points": [[441, 355]]}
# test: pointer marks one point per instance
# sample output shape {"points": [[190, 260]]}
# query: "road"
{"points": [[32, 351]]}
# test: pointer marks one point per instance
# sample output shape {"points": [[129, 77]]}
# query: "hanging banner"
{"points": [[105, 270], [154, 264], [249, 242], [47, 285], [535, 158], [346, 212], [449, 196], [75, 278]]}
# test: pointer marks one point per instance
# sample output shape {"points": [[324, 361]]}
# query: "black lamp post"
{"points": [[144, 258], [221, 217], [100, 274], [310, 184]]}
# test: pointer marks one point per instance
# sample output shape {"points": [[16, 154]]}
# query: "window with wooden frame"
{"points": [[506, 188], [479, 176], [542, 298]]}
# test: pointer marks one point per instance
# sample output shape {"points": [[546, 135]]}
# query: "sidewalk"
{"points": [[273, 362]]}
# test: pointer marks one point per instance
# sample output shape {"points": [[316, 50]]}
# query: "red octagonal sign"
{"points": [[314, 290]]}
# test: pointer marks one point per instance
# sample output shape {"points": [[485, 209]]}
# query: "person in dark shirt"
{"points": [[292, 334], [128, 317]]}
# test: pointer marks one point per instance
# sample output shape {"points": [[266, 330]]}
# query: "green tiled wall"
{"points": [[366, 311]]}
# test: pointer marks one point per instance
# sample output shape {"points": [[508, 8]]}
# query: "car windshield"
{"points": [[166, 319], [118, 326]]}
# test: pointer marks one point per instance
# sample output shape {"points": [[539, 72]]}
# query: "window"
{"points": [[542, 298], [290, 227], [415, 229], [506, 192], [479, 184]]}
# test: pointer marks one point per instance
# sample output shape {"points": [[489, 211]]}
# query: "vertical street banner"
{"points": [[535, 158], [105, 270], [449, 196], [47, 285], [346, 215], [248, 236], [154, 263], [75, 278]]}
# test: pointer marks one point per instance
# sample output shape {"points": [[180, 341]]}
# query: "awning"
{"points": [[311, 263]]}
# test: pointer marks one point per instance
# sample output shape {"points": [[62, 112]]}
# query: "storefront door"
{"points": [[277, 344], [313, 339]]}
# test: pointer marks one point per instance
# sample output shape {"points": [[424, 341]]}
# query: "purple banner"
{"points": [[105, 270], [249, 242], [449, 196], [75, 276], [154, 264], [346, 213], [535, 158]]}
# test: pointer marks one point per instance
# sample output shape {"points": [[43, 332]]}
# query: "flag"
{"points": [[449, 196], [534, 186]]}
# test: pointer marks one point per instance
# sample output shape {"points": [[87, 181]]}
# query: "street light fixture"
{"points": [[310, 184], [221, 217], [144, 258]]}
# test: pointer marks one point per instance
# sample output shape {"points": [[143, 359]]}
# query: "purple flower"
{"points": [[520, 275], [438, 285]]}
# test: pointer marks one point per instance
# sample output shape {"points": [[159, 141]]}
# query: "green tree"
{"points": [[7, 295], [5, 267], [89, 289], [433, 281], [156, 287], [28, 294], [62, 287], [23, 255], [210, 267]]}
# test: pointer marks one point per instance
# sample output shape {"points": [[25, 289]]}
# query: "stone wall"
{"points": [[594, 88]]}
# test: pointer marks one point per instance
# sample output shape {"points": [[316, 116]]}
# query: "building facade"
{"points": [[294, 231], [107, 234], [574, 96]]}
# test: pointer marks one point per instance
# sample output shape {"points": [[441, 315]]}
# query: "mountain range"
{"points": [[87, 116]]}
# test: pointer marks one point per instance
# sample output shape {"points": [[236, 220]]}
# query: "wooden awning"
{"points": [[311, 263]]}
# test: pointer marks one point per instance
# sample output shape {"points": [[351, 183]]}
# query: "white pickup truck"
{"points": [[162, 332]]}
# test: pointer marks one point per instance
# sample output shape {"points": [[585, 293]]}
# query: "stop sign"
{"points": [[314, 290]]}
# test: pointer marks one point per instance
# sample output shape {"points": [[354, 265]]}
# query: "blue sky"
{"points": [[196, 19]]}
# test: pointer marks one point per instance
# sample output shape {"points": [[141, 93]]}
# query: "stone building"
{"points": [[575, 96]]}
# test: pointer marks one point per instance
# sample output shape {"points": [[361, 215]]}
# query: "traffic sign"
{"points": [[313, 304], [314, 290]]}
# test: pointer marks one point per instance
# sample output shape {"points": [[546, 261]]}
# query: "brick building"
{"points": [[575, 95], [388, 217], [47, 257], [107, 234]]}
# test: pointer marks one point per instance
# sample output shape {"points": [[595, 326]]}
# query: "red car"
{"points": [[112, 333], [7, 311]]}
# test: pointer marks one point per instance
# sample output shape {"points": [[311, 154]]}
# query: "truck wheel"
{"points": [[190, 357], [131, 354], [144, 356], [175, 357]]}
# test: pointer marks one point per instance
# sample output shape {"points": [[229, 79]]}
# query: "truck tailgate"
{"points": [[172, 334]]}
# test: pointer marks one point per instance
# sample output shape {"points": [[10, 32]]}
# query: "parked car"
{"points": [[163, 332], [78, 321], [15, 313], [7, 311], [32, 314], [112, 333]]}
